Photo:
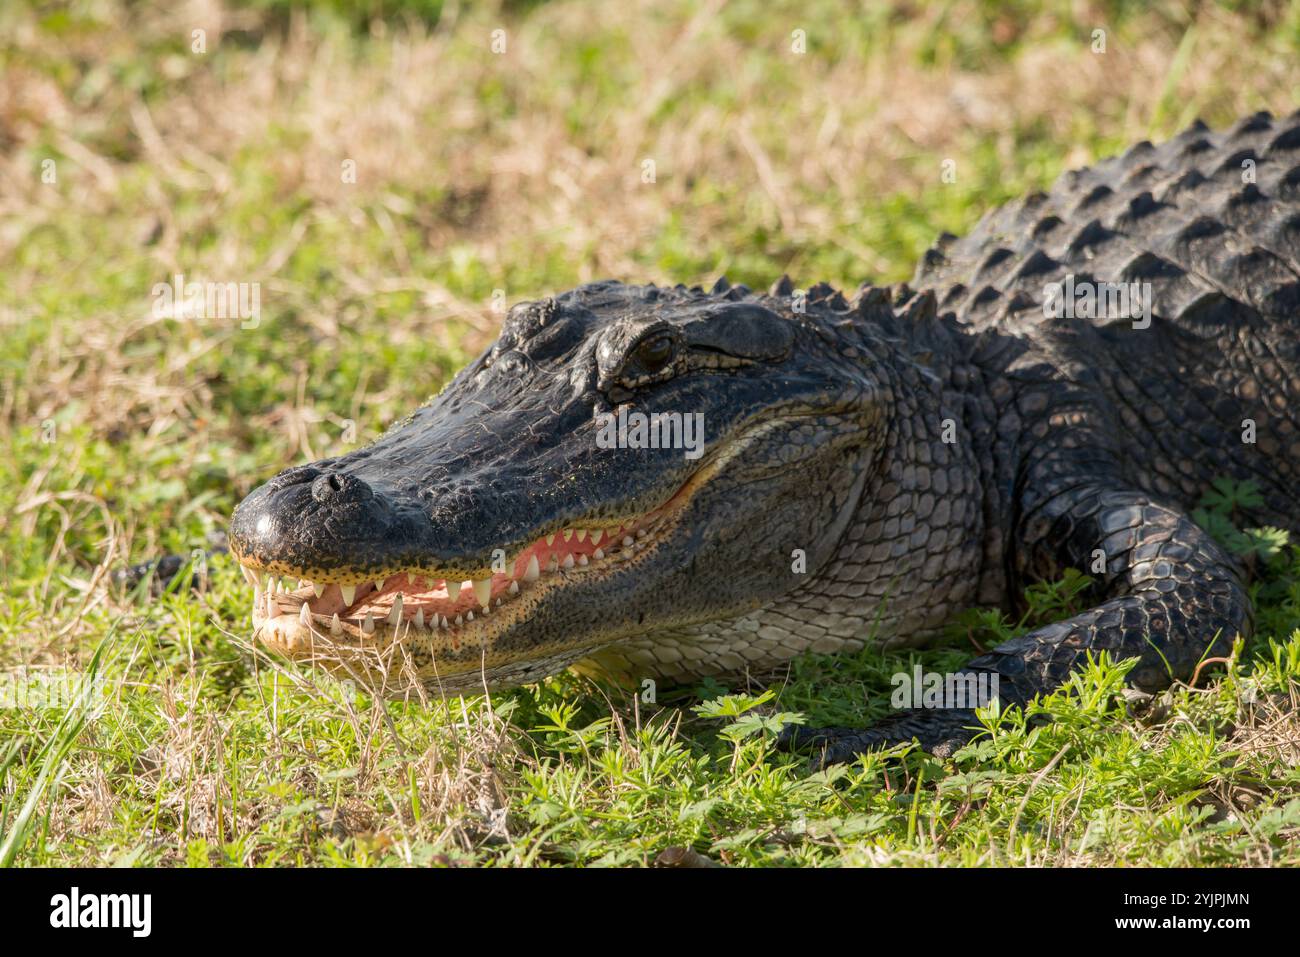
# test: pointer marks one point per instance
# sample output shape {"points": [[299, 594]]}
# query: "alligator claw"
{"points": [[940, 732], [162, 570]]}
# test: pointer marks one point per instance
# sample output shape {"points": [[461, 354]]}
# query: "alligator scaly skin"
{"points": [[1103, 436], [955, 443]]}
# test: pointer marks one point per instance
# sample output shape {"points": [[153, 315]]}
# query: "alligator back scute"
{"points": [[1211, 221], [1189, 201]]}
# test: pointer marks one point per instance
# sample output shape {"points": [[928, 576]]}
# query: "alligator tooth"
{"points": [[304, 615], [627, 541], [483, 590], [552, 565], [598, 554], [582, 561], [641, 533], [453, 589], [550, 539], [532, 571], [349, 594], [469, 616], [250, 576], [368, 626], [582, 533], [379, 584], [596, 536], [514, 588], [318, 589], [336, 626], [419, 619], [460, 619], [395, 616], [568, 534], [442, 621], [568, 562], [272, 606]]}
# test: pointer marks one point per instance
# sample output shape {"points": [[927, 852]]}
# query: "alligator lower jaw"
{"points": [[419, 609]]}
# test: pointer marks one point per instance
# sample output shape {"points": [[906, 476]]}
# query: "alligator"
{"points": [[1056, 390]]}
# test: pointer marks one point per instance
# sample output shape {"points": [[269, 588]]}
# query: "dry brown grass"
{"points": [[806, 146]]}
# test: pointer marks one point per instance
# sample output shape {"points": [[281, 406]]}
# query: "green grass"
{"points": [[126, 436]]}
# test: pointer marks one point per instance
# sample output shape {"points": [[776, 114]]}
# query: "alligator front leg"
{"points": [[1170, 598]]}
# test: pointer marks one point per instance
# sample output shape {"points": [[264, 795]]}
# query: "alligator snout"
{"points": [[321, 520]]}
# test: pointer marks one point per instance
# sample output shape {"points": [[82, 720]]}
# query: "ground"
{"points": [[392, 183]]}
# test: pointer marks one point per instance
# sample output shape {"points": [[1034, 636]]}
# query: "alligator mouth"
{"points": [[424, 602], [454, 620], [450, 627]]}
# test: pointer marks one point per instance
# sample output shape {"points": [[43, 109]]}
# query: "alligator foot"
{"points": [[940, 732], [161, 571], [1172, 599]]}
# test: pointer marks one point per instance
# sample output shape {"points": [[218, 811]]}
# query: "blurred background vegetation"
{"points": [[520, 173]]}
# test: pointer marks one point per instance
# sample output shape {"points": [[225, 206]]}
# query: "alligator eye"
{"points": [[654, 353]]}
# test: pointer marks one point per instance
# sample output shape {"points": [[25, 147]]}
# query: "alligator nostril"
{"points": [[300, 475], [340, 487]]}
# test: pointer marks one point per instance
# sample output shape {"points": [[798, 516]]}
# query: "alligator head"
{"points": [[527, 517]]}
